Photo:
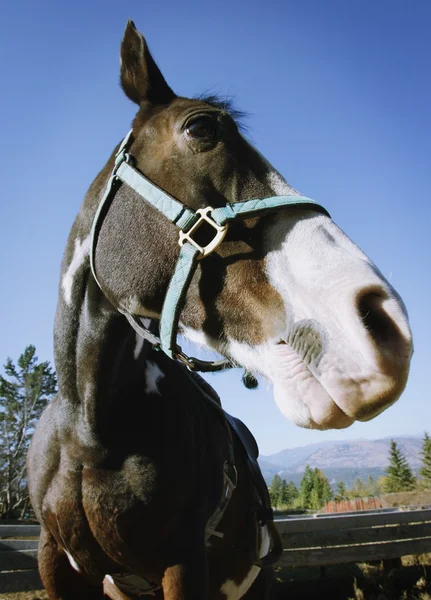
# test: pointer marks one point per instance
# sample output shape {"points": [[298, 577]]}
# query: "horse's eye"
{"points": [[203, 127]]}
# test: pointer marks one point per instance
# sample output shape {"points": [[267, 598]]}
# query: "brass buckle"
{"points": [[221, 230]]}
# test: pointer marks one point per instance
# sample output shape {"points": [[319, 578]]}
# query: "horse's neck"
{"points": [[103, 369], [98, 357]]}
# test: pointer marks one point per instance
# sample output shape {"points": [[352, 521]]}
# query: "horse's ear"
{"points": [[141, 78]]}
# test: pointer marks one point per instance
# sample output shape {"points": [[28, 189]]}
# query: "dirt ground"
{"points": [[410, 581], [25, 596]]}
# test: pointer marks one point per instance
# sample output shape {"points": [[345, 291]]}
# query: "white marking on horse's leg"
{"points": [[80, 253], [234, 591], [138, 346], [72, 561], [153, 375]]}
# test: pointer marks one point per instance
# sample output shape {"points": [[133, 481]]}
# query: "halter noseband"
{"points": [[188, 221]]}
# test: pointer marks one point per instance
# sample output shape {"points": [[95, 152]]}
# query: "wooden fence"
{"points": [[361, 537], [307, 541], [355, 504], [18, 558]]}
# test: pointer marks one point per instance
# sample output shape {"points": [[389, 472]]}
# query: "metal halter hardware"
{"points": [[204, 217], [188, 221]]}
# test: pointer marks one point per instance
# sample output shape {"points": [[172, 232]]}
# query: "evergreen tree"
{"points": [[327, 493], [283, 496], [323, 488], [305, 487], [315, 489], [321, 485], [314, 500], [288, 493], [341, 493], [292, 493], [24, 392], [274, 491], [425, 469], [399, 476]]}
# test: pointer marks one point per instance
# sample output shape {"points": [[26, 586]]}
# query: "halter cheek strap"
{"points": [[188, 221]]}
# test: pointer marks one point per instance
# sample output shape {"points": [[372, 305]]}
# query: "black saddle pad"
{"points": [[245, 436]]}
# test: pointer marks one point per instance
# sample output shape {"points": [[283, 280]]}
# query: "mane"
{"points": [[226, 104]]}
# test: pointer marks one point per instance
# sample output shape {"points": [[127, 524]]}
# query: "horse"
{"points": [[142, 484]]}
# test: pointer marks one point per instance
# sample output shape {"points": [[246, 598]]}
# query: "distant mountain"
{"points": [[340, 460]]}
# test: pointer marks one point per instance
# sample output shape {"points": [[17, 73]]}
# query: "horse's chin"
{"points": [[300, 396], [314, 410]]}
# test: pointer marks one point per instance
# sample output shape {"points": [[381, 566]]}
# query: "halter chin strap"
{"points": [[188, 221]]}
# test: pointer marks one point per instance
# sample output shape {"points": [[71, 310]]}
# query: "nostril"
{"points": [[376, 319]]}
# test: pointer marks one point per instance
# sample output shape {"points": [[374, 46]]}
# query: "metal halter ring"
{"points": [[204, 216]]}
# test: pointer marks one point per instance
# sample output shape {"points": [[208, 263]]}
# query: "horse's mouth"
{"points": [[300, 394]]}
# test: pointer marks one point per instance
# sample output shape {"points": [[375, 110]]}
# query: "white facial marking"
{"points": [[72, 561], [234, 591], [153, 375], [79, 255], [138, 346], [342, 372]]}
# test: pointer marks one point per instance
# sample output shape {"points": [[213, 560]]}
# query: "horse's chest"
{"points": [[101, 517]]}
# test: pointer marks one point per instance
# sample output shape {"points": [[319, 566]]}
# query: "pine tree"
{"points": [[283, 492], [292, 493], [323, 488], [315, 489], [399, 476], [314, 500], [274, 491], [327, 493], [341, 493], [288, 493], [306, 487], [24, 392], [425, 469]]}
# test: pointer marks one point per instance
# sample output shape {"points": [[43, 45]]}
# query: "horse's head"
{"points": [[287, 294]]}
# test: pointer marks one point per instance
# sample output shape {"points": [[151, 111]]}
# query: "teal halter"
{"points": [[188, 221]]}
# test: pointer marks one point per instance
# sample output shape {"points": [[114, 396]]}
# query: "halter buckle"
{"points": [[185, 360], [204, 216]]}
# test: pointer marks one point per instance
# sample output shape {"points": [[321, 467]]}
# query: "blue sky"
{"points": [[339, 97]]}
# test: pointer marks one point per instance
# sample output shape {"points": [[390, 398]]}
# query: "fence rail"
{"points": [[307, 541], [361, 537]]}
